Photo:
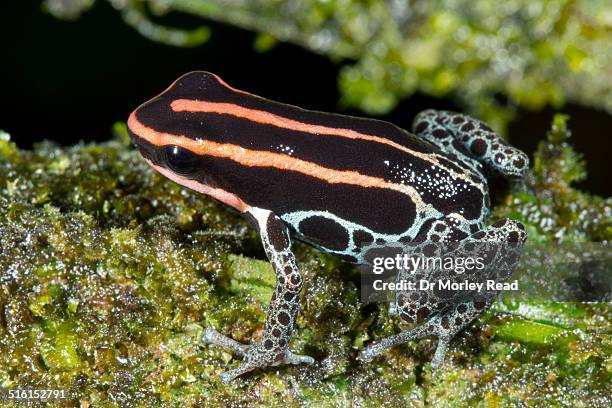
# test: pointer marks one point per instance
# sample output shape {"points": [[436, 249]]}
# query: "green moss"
{"points": [[549, 206], [528, 332], [110, 273], [59, 351]]}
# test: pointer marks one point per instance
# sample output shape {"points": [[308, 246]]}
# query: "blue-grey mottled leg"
{"points": [[272, 349], [448, 316], [462, 135], [378, 348]]}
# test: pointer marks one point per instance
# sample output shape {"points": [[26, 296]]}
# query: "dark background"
{"points": [[70, 81]]}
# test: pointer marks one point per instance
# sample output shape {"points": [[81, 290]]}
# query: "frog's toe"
{"points": [[369, 353], [230, 375], [211, 336], [436, 365], [438, 359], [291, 358]]}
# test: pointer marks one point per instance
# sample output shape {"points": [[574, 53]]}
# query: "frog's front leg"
{"points": [[447, 319], [272, 349]]}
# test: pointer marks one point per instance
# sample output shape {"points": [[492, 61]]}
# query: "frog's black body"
{"points": [[344, 184]]}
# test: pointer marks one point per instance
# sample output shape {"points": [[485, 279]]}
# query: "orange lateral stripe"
{"points": [[267, 118], [258, 158]]}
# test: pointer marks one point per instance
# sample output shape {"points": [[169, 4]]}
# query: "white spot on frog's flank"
{"points": [[285, 149], [441, 185], [386, 162]]}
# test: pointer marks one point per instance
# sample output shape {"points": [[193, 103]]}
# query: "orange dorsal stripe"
{"points": [[267, 118], [258, 158]]}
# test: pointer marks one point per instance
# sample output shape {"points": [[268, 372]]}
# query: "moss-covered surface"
{"points": [[109, 273]]}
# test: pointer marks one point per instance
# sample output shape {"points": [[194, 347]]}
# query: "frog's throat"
{"points": [[218, 194]]}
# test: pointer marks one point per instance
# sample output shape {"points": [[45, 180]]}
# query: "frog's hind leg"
{"points": [[499, 245], [466, 137], [448, 317], [443, 326]]}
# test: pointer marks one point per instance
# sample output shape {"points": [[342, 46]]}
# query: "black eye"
{"points": [[181, 160]]}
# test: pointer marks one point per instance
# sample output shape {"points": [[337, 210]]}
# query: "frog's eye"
{"points": [[180, 160]]}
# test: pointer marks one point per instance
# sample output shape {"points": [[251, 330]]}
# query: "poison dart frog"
{"points": [[343, 184]]}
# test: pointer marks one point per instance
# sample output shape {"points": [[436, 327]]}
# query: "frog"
{"points": [[342, 184]]}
